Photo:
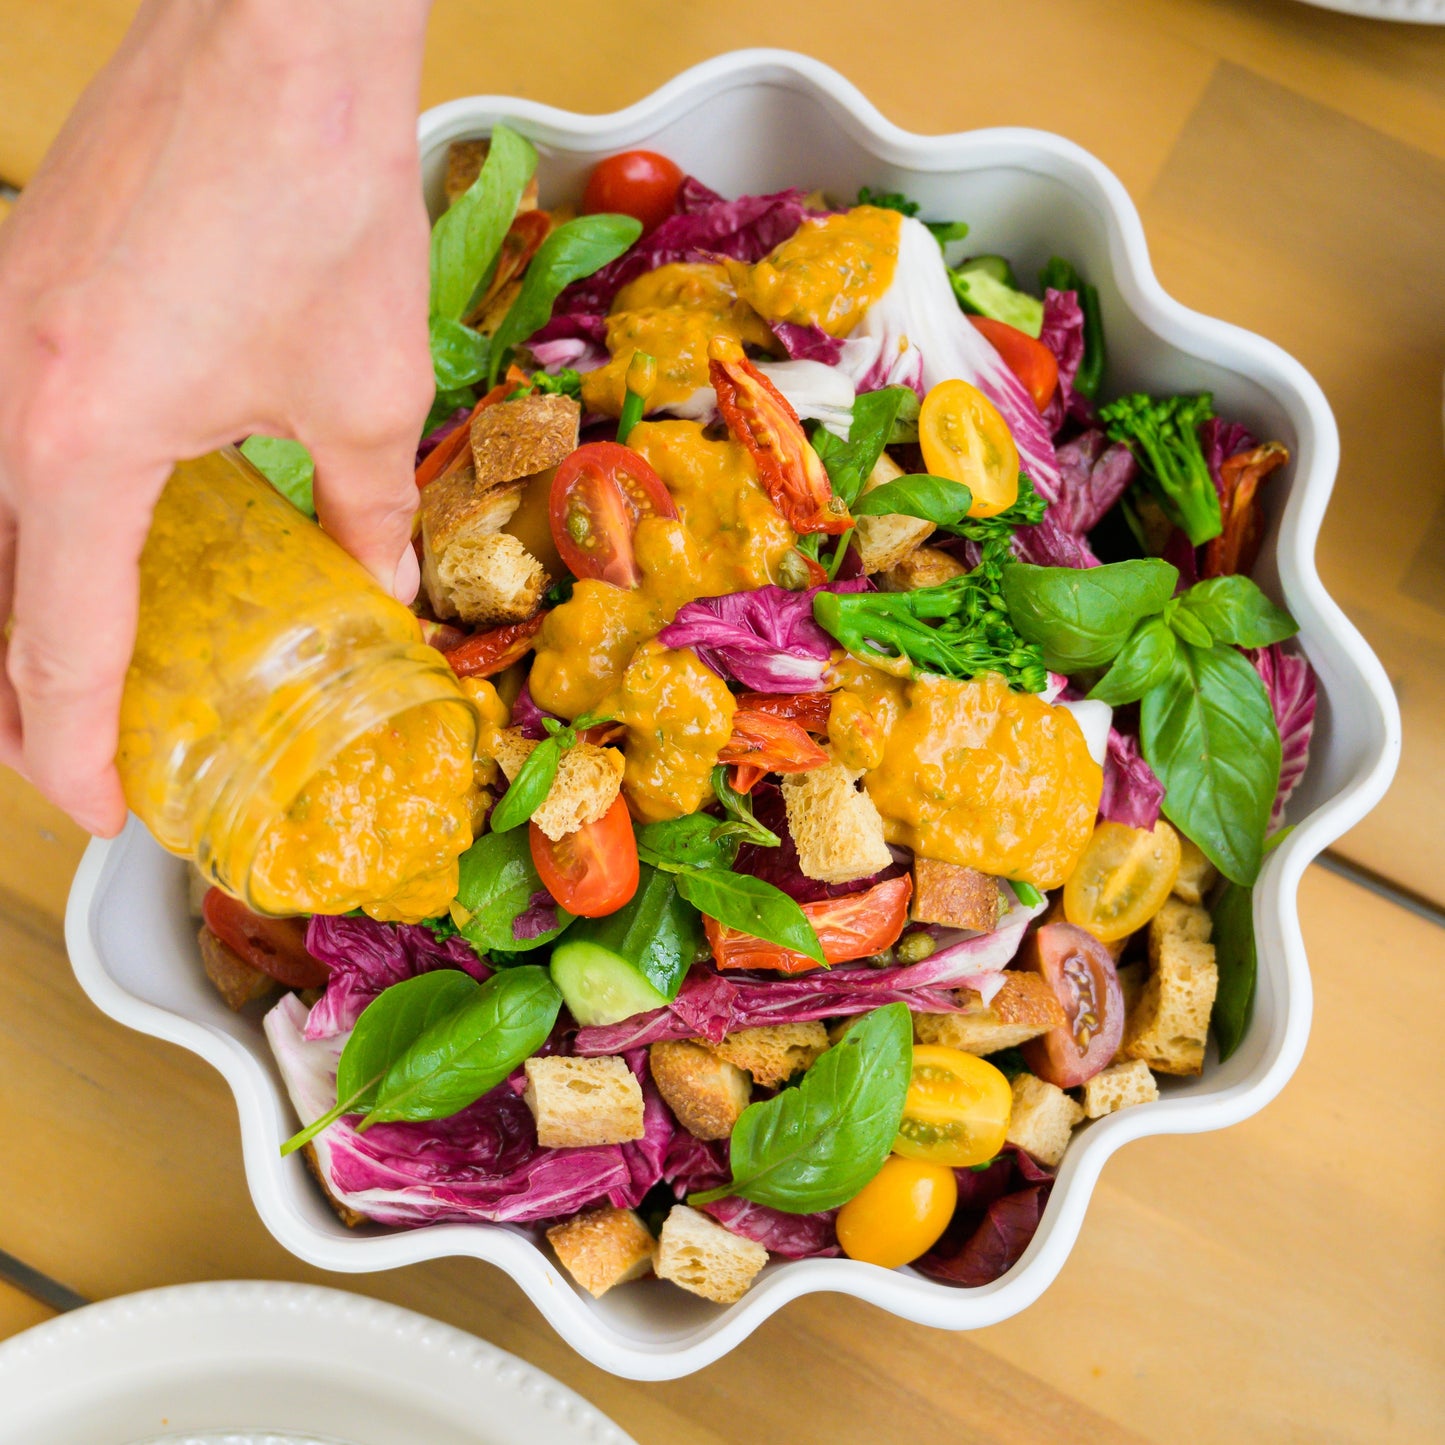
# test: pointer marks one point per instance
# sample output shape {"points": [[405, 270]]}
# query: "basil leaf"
{"points": [[850, 463], [496, 883], [814, 1147], [445, 404], [466, 237], [388, 1026], [685, 843], [934, 499], [463, 1056], [1234, 954], [905, 424], [459, 355], [742, 822], [1187, 627], [752, 906], [1209, 733], [1143, 661], [1235, 610], [1081, 617], [287, 465], [529, 789], [946, 231], [575, 249]]}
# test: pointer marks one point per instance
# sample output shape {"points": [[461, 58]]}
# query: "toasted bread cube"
{"points": [[954, 896], [884, 542], [515, 439], [837, 828], [1023, 1008], [1169, 1027], [485, 580], [236, 981], [706, 1093], [1119, 1086], [588, 780], [1132, 978], [926, 567], [1186, 922], [1196, 872], [698, 1254], [577, 1102], [1043, 1119], [773, 1053], [603, 1247], [464, 165]]}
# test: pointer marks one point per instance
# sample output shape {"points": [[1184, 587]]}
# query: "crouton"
{"points": [[926, 567], [835, 825], [577, 1102], [706, 1093], [197, 886], [1023, 1008], [603, 1247], [1196, 872], [1169, 1027], [1186, 922], [1132, 978], [773, 1053], [955, 896], [588, 780], [236, 981], [698, 1254], [514, 439], [350, 1217], [1119, 1086], [464, 165], [1042, 1120], [884, 542]]}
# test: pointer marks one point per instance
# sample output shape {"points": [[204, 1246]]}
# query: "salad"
{"points": [[880, 737]]}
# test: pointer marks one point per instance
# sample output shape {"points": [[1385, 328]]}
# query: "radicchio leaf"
{"points": [[807, 343], [1132, 794], [1290, 682], [1063, 334]]}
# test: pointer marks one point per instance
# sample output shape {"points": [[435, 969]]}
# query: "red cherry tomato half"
{"points": [[1080, 970], [599, 495], [636, 183], [485, 654], [593, 871], [810, 709], [276, 946], [1029, 359]]}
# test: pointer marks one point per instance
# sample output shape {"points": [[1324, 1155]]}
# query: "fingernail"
{"points": [[408, 577]]}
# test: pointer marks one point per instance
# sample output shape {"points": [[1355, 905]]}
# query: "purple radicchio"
{"points": [[1290, 683], [439, 433], [807, 343], [1220, 440], [709, 1006], [539, 917], [998, 1213], [528, 716], [1093, 475], [482, 1163], [1132, 794], [1063, 334], [365, 957], [765, 639]]}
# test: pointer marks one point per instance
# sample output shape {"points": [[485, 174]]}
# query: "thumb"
{"points": [[366, 498]]}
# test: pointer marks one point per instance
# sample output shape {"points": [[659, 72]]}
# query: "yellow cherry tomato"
{"points": [[1122, 880], [966, 440], [899, 1214], [957, 1110]]}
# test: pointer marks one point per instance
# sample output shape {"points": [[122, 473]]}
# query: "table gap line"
{"points": [[29, 1280], [1385, 888]]}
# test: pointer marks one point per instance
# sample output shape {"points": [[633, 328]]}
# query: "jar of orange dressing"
{"points": [[283, 723]]}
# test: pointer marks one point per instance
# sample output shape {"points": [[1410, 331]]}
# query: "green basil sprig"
{"points": [[528, 790], [496, 883], [1234, 952], [1234, 610], [742, 823], [814, 1147], [573, 250], [287, 465], [1145, 660], [459, 355], [933, 499], [694, 841], [850, 463]]}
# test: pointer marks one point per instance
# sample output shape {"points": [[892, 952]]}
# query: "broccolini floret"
{"points": [[960, 628], [1163, 433]]}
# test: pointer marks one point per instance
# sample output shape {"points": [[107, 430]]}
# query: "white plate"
{"points": [[760, 121], [253, 1363], [1415, 12]]}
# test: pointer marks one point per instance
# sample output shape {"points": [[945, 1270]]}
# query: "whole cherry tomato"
{"points": [[276, 946], [635, 183]]}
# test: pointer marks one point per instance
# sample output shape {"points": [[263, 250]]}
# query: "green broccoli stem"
{"points": [[1163, 434]]}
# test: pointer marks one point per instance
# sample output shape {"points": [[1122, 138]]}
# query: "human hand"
{"points": [[228, 237]]}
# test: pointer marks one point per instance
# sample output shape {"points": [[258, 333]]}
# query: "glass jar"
{"points": [[283, 724]]}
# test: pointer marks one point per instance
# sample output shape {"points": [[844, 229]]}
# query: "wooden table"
{"points": [[1281, 1281]]}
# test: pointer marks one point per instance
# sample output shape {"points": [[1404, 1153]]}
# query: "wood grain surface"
{"points": [[1280, 1281]]}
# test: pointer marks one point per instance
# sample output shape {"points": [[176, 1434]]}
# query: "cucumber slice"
{"points": [[984, 294], [600, 986], [995, 266]]}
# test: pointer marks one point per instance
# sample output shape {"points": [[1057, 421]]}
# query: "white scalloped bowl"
{"points": [[758, 121]]}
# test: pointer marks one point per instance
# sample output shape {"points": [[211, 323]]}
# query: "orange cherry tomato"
{"points": [[1028, 358], [957, 1110], [593, 871], [276, 946], [635, 183], [774, 744], [1080, 970], [599, 495], [761, 419], [487, 653], [857, 926], [1122, 879], [966, 440], [899, 1214]]}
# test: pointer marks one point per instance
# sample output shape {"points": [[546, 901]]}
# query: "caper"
{"points": [[881, 960], [914, 947]]}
